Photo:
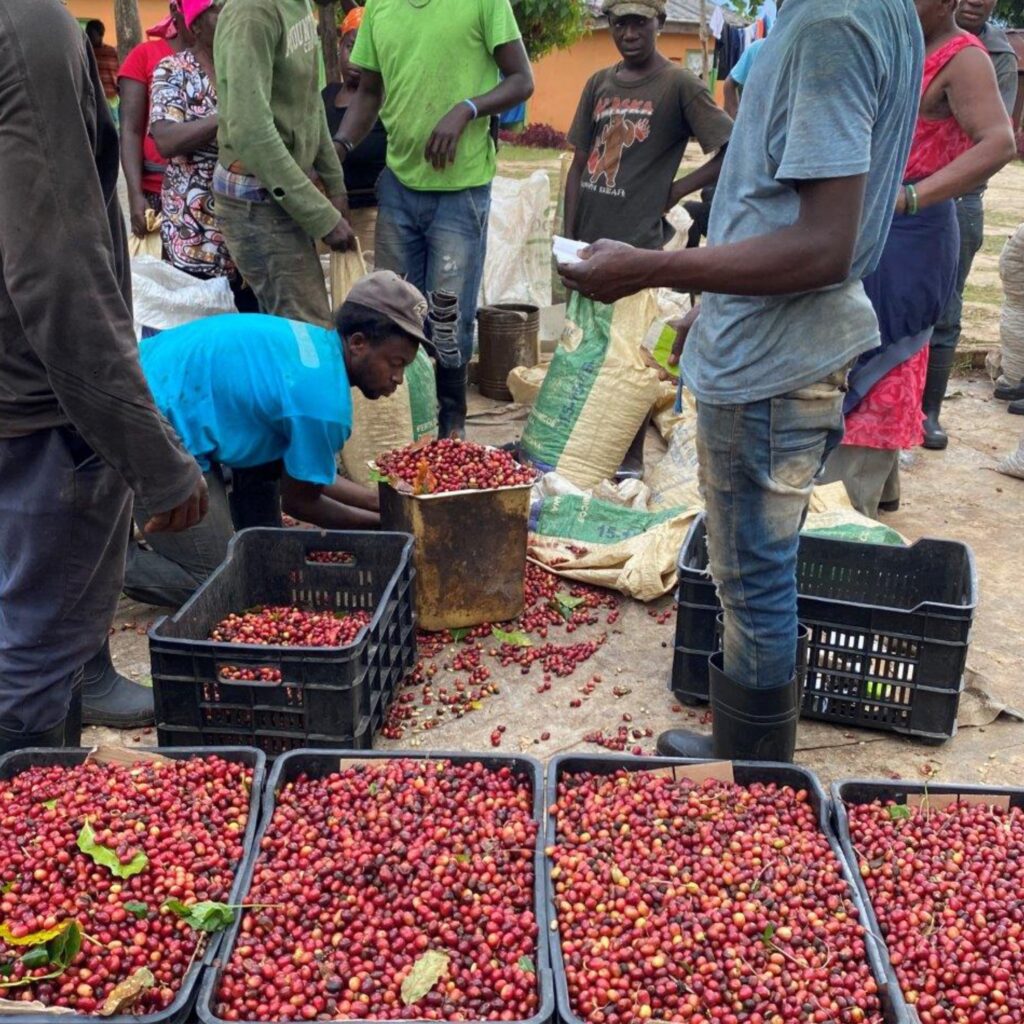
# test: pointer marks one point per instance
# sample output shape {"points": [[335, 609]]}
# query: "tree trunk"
{"points": [[329, 40], [127, 26]]}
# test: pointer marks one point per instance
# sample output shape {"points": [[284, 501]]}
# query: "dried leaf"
{"points": [[425, 974], [123, 756], [14, 1006], [124, 995], [108, 858]]}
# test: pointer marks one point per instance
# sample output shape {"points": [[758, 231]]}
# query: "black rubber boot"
{"points": [[1009, 392], [451, 401], [1017, 408], [940, 366], [110, 699]]}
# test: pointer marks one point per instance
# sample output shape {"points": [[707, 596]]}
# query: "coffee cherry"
{"points": [[286, 626], [453, 465]]}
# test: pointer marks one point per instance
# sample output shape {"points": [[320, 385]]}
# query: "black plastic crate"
{"points": [[327, 696], [318, 763], [866, 791], [890, 628], [745, 773], [182, 1009]]}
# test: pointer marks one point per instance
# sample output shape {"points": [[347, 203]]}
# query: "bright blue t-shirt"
{"points": [[833, 93], [741, 70], [247, 389]]}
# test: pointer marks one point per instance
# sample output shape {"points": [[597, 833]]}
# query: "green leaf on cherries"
{"points": [[899, 812], [460, 634], [372, 788], [462, 858], [768, 934], [50, 804], [108, 858], [526, 964], [137, 907], [207, 916], [517, 638], [7, 969], [377, 477], [37, 956], [567, 604], [425, 974], [6, 888], [62, 949]]}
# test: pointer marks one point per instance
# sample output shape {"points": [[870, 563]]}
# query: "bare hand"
{"points": [[682, 327], [342, 238], [599, 274], [137, 207], [444, 139], [184, 516]]}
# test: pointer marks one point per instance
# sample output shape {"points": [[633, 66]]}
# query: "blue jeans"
{"points": [[758, 462], [970, 214], [437, 241]]}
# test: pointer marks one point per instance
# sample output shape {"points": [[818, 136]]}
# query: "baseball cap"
{"points": [[404, 305], [641, 8]]}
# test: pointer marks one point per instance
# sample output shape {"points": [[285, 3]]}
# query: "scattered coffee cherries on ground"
{"points": [[946, 884], [453, 465], [367, 874], [286, 626], [176, 828], [704, 903]]}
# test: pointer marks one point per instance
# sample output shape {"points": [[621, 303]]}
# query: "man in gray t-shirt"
{"points": [[803, 207]]}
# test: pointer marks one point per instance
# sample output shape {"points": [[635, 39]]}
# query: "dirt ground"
{"points": [[954, 494]]}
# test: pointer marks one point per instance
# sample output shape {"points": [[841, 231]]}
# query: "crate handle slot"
{"points": [[249, 675], [346, 559]]}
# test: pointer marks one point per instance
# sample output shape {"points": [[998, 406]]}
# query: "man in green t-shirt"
{"points": [[436, 73]]}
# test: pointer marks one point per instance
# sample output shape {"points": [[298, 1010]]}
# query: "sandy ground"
{"points": [[954, 494]]}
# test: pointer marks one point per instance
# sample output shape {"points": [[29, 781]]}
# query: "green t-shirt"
{"points": [[432, 56]]}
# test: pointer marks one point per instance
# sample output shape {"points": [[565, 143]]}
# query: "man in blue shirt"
{"points": [[803, 207], [263, 396]]}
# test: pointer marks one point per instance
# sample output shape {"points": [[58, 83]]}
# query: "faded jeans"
{"points": [[758, 462], [970, 214], [437, 241], [277, 259]]}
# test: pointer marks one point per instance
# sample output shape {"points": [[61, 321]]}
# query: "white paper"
{"points": [[566, 251]]}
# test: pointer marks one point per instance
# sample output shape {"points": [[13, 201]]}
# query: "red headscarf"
{"points": [[352, 21]]}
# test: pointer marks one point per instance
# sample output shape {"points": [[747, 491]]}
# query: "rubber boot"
{"points": [[748, 724], [1009, 392], [940, 366], [451, 401], [111, 700], [1017, 408]]}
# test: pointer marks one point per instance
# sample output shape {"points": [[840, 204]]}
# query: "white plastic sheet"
{"points": [[164, 297]]}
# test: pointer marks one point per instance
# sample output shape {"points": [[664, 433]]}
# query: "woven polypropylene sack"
{"points": [[1011, 319]]}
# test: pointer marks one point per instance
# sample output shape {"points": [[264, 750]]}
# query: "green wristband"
{"points": [[912, 200]]}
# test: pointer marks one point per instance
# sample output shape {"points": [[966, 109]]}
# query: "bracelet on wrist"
{"points": [[913, 205], [472, 106], [347, 143]]}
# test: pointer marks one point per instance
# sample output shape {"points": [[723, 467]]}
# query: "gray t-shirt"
{"points": [[834, 93]]}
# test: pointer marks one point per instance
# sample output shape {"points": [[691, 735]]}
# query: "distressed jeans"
{"points": [[758, 462], [437, 241], [970, 215]]}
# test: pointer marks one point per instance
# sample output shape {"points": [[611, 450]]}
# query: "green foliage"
{"points": [[1010, 11], [549, 24]]}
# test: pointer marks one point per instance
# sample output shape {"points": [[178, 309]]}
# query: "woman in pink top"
{"points": [[962, 138]]}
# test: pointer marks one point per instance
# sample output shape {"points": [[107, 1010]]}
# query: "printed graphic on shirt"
{"points": [[302, 35], [622, 124]]}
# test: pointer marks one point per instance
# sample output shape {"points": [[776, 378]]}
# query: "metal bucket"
{"points": [[508, 336]]}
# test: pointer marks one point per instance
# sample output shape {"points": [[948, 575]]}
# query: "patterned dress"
{"points": [[889, 416], [182, 92]]}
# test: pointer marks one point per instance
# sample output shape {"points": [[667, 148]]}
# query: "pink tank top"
{"points": [[938, 143]]}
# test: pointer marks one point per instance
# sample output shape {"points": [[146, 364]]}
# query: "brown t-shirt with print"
{"points": [[635, 133]]}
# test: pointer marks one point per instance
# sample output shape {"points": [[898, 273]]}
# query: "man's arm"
{"points": [[732, 98], [173, 139], [245, 44], [311, 504], [132, 114], [362, 112], [350, 493], [1007, 77], [815, 252], [572, 192], [72, 310], [515, 87], [705, 175]]}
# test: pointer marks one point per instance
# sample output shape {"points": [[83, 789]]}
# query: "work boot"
{"points": [[1009, 392], [940, 366], [451, 401], [748, 724], [1017, 408], [110, 699]]}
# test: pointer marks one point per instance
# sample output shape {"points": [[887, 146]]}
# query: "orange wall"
{"points": [[150, 11], [561, 76]]}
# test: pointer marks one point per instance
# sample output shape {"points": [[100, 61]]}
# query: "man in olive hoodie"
{"points": [[278, 185]]}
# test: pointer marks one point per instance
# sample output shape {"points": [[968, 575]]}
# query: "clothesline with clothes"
{"points": [[731, 40]]}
